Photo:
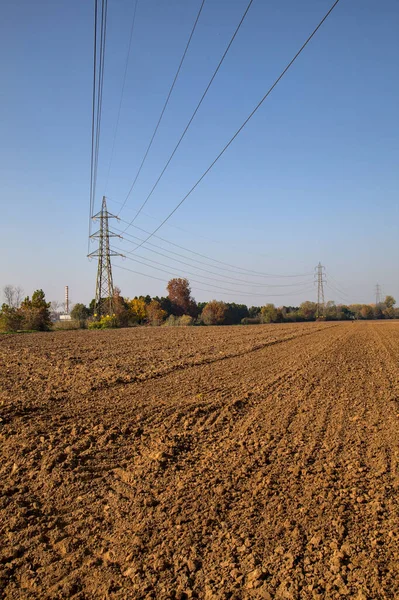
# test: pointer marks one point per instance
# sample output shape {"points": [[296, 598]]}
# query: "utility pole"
{"points": [[320, 278], [377, 294], [104, 299]]}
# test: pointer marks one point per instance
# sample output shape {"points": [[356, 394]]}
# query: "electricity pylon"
{"points": [[377, 294], [320, 274], [104, 299]]}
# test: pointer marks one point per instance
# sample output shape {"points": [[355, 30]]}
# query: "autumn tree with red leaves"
{"points": [[179, 293]]}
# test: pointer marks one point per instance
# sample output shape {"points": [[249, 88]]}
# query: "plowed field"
{"points": [[209, 463]]}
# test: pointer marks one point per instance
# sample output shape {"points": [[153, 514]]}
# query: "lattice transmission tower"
{"points": [[321, 280], [377, 294], [104, 299]]}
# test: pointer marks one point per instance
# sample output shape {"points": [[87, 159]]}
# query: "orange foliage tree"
{"points": [[214, 313], [179, 293], [155, 314]]}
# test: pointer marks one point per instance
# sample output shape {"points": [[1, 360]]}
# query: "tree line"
{"points": [[177, 308]]}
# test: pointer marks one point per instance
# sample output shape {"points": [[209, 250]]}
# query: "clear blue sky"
{"points": [[313, 177]]}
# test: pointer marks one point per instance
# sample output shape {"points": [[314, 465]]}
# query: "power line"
{"points": [[335, 291], [194, 260], [163, 280], [240, 271], [103, 34], [200, 236], [233, 281], [240, 128], [191, 118], [93, 118], [98, 81], [164, 107], [220, 242], [217, 288], [227, 266], [122, 93], [160, 279], [337, 285]]}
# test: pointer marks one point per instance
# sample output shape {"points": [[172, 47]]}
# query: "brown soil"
{"points": [[209, 463]]}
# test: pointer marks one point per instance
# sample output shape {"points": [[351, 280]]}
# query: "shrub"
{"points": [[106, 322], [250, 321], [10, 318], [183, 321], [186, 321], [71, 325], [171, 321]]}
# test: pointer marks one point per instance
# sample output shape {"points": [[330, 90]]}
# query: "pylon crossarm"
{"points": [[101, 215]]}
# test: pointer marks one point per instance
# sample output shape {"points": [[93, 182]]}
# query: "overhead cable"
{"points": [[337, 285], [195, 234], [100, 29], [100, 86], [237, 293], [93, 116], [227, 266], [150, 247], [231, 281], [240, 128], [191, 118], [335, 291], [122, 93], [164, 106]]}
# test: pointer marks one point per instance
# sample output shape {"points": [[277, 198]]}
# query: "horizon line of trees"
{"points": [[178, 308]]}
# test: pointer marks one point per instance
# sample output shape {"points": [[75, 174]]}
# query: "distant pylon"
{"points": [[377, 294], [320, 274], [104, 299]]}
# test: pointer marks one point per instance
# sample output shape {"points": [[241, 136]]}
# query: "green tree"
{"points": [[235, 313], [389, 307], [10, 318], [80, 313], [36, 312], [344, 313], [268, 313], [389, 301], [201, 306], [165, 303], [307, 310], [355, 310], [330, 312], [253, 312]]}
